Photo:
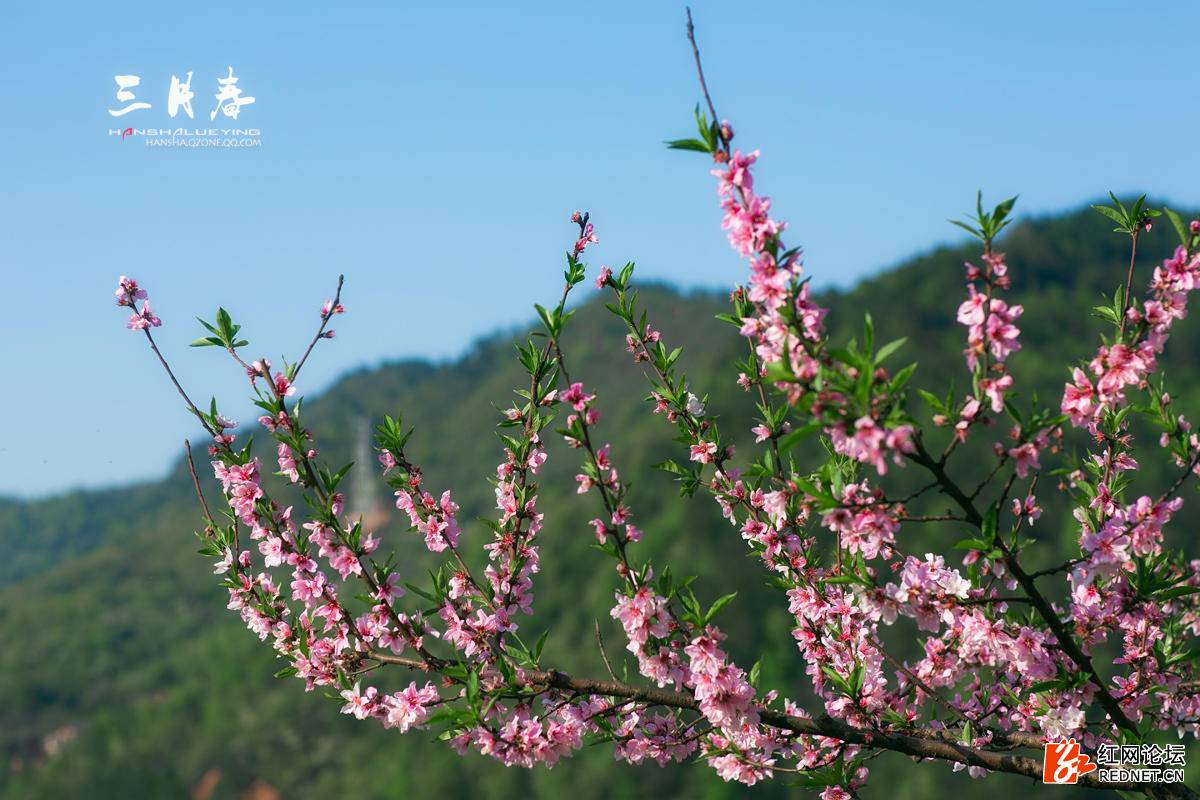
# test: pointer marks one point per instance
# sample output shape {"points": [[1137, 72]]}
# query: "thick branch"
{"points": [[921, 743]]}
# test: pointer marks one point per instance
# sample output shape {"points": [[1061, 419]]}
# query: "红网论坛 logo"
{"points": [[1064, 762]]}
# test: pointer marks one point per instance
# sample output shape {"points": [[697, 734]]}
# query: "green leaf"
{"points": [[1180, 227], [689, 144], [792, 437], [991, 521], [933, 400], [1178, 591], [888, 349], [968, 228], [671, 467], [1118, 203], [716, 607], [1002, 209], [1112, 214], [472, 687], [546, 318], [901, 378], [971, 544], [778, 372]]}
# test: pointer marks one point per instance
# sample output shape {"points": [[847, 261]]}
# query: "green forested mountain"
{"points": [[122, 675]]}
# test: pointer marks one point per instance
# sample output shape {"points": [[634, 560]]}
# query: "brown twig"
{"points": [[337, 299], [178, 387], [604, 655], [187, 449], [691, 34], [1128, 281]]}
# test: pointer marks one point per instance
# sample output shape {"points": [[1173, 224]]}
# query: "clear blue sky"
{"points": [[433, 152]]}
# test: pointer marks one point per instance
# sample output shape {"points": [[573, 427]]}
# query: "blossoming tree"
{"points": [[1003, 667]]}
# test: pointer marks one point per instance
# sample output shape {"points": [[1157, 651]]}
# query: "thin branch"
{"points": [[604, 655], [1128, 281], [934, 518], [1063, 567], [178, 387], [691, 34], [982, 601], [187, 449], [337, 299]]}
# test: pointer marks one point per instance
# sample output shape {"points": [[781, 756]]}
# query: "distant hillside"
{"points": [[123, 676]]}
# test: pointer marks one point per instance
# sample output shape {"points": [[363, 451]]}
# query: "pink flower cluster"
{"points": [[401, 710], [1135, 530], [432, 517], [1128, 363], [521, 737], [871, 443], [990, 328], [669, 650], [864, 524], [241, 484], [587, 232], [128, 293], [776, 288], [654, 737], [774, 276]]}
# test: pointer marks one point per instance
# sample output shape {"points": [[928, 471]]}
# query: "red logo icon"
{"points": [[1064, 763]]}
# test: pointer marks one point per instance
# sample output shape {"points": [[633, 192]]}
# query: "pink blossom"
{"points": [[1025, 458], [360, 704], [408, 708], [588, 236], [140, 320], [576, 397], [704, 452], [283, 385], [128, 292]]}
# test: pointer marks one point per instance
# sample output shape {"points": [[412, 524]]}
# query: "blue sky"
{"points": [[433, 153]]}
